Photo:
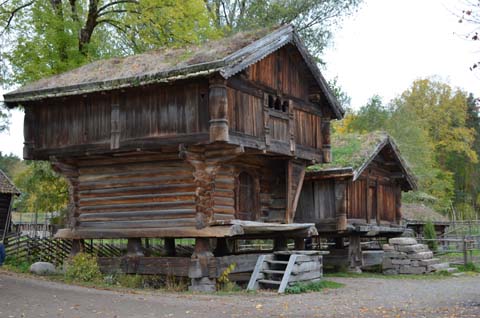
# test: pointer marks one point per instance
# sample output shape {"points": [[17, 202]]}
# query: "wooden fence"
{"points": [[46, 249]]}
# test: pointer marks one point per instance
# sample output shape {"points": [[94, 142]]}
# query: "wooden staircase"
{"points": [[280, 269]]}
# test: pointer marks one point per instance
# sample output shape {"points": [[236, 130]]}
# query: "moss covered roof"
{"points": [[6, 185], [352, 150], [226, 56], [421, 212], [356, 151]]}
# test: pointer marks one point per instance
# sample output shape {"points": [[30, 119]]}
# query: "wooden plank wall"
{"points": [[245, 113], [308, 129], [317, 201], [281, 72], [155, 190], [387, 201], [150, 111], [356, 198], [165, 111], [72, 121], [4, 206]]}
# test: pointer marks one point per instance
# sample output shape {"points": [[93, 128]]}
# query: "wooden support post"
{"points": [[339, 243], [280, 244], [78, 246], [218, 104], [355, 254], [222, 247], [170, 246], [134, 247], [203, 269], [28, 133], [299, 244]]}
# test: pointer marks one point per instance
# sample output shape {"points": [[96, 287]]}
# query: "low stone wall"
{"points": [[403, 255]]}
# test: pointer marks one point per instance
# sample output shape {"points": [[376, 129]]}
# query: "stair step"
{"points": [[277, 262], [272, 271], [268, 281]]}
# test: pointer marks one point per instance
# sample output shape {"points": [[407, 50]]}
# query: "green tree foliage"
{"points": [[371, 116], [43, 190], [430, 234], [436, 127], [11, 164], [49, 37], [41, 38], [314, 19]]}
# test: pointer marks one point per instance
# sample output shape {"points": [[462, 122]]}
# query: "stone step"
{"points": [[402, 241], [439, 267], [429, 262]]}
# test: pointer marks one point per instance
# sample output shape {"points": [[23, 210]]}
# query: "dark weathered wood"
{"points": [[170, 247], [354, 253], [134, 247], [172, 266], [218, 104], [341, 204], [295, 175]]}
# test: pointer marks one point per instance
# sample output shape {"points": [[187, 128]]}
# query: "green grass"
{"points": [[312, 287], [17, 266], [470, 267]]}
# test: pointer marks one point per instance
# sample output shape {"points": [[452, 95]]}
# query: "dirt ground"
{"points": [[22, 296]]}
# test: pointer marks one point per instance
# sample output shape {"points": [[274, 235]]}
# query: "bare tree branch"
{"points": [[12, 15], [113, 3]]}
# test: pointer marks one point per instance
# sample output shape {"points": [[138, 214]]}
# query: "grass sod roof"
{"points": [[226, 56], [355, 151], [6, 185], [421, 212]]}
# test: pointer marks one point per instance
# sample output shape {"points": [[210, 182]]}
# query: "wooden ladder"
{"points": [[271, 271]]}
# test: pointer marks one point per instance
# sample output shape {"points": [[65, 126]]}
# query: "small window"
{"points": [[247, 197], [277, 103], [270, 101]]}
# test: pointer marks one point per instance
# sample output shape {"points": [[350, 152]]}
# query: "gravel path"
{"points": [[362, 297]]}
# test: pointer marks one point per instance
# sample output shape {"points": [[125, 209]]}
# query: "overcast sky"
{"points": [[380, 50]]}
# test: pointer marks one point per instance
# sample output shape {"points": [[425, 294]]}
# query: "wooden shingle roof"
{"points": [[226, 56], [6, 185]]}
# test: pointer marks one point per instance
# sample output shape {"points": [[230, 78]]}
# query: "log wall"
{"points": [[269, 177], [135, 192]]}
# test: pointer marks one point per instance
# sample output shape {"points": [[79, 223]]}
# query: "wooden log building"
{"points": [[416, 215], [202, 142], [8, 191], [359, 194]]}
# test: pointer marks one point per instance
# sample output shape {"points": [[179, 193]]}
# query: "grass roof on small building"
{"points": [[6, 185], [421, 212], [352, 150]]}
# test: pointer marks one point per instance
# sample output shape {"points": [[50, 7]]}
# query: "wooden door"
{"points": [[247, 197]]}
